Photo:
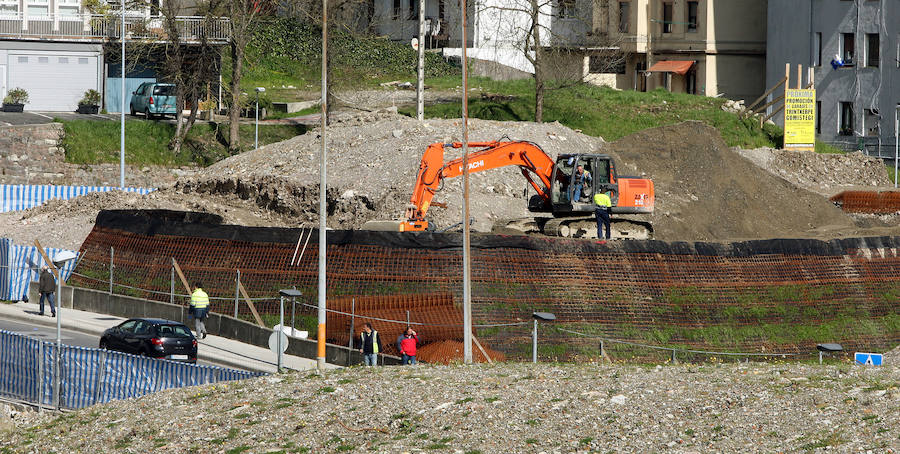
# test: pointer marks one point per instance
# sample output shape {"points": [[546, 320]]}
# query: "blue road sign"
{"points": [[868, 359]]}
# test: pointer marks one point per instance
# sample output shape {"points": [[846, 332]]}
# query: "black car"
{"points": [[152, 337]]}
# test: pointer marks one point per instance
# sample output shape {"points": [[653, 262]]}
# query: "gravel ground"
{"points": [[501, 408]]}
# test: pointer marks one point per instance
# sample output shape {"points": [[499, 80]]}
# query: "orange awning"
{"points": [[672, 66]]}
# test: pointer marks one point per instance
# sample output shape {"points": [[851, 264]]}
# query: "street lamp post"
{"points": [[258, 91], [896, 141], [58, 262], [543, 316]]}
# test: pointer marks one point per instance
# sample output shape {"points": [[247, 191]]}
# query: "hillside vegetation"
{"points": [[605, 112]]}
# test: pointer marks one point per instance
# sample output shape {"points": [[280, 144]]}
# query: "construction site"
{"points": [[746, 245]]}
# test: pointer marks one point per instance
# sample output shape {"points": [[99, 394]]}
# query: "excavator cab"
{"points": [[573, 192]]}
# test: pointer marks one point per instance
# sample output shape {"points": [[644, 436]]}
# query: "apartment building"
{"points": [[705, 47], [54, 49], [853, 47]]}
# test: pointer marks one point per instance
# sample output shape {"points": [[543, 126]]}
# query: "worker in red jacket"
{"points": [[408, 346]]}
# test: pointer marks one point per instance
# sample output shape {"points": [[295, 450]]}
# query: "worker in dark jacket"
{"points": [[371, 345], [46, 287]]}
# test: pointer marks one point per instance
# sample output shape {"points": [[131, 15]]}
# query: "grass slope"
{"points": [[605, 112], [146, 142]]}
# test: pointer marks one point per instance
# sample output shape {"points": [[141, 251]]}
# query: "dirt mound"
{"points": [[66, 223], [372, 166], [450, 351], [706, 191], [826, 174]]}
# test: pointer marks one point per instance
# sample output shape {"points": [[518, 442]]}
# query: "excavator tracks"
{"points": [[577, 227]]}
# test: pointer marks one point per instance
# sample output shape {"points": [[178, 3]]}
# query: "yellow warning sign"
{"points": [[799, 119]]}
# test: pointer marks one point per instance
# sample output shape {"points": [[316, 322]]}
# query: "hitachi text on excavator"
{"points": [[554, 183]]}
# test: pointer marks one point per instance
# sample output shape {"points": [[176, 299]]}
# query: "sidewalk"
{"points": [[214, 349]]}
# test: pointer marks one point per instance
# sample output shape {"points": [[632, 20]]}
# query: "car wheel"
{"points": [[147, 113], [133, 113], [103, 344]]}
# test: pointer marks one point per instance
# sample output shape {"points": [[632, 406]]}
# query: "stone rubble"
{"points": [[500, 408]]}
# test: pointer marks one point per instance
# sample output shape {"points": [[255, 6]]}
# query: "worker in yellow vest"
{"points": [[604, 205], [199, 308]]}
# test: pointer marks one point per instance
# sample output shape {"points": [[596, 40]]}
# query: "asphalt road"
{"points": [[36, 118], [67, 337]]}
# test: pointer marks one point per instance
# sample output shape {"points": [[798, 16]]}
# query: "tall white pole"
{"points": [[57, 382], [256, 135], [467, 273], [320, 357], [420, 87], [122, 126]]}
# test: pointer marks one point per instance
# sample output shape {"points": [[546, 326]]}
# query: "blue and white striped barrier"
{"points": [[15, 197], [91, 376], [20, 265]]}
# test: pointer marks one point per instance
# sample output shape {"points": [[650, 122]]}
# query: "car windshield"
{"points": [[164, 90], [173, 331]]}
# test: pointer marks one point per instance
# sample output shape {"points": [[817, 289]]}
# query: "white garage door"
{"points": [[53, 82]]}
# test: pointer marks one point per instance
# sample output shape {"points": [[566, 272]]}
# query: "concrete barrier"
{"points": [[101, 302]]}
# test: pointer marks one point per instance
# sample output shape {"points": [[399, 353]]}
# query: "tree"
{"points": [[554, 39], [189, 65], [243, 14]]}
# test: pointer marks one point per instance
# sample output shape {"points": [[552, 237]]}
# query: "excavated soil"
{"points": [[704, 189]]}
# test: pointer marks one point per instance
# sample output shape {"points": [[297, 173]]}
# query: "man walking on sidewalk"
{"points": [[199, 307], [46, 287]]}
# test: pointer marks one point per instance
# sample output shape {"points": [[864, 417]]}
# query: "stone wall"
{"points": [[30, 154]]}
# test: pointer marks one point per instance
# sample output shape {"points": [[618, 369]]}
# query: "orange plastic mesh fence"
{"points": [[740, 300], [868, 201]]}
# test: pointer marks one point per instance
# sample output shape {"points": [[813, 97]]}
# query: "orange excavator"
{"points": [[558, 192]]}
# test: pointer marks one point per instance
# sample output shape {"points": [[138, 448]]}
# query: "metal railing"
{"points": [[94, 27]]}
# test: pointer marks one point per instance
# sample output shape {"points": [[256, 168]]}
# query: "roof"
{"points": [[672, 66]]}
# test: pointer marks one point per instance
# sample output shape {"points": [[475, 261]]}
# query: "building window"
{"points": [[848, 44], [63, 60], [846, 119], [692, 8], [82, 61], [873, 50], [606, 64], [8, 8], [624, 16], [413, 12], [38, 7], [566, 9], [870, 123], [441, 10], [816, 49], [691, 83], [23, 59], [818, 117], [43, 59], [396, 12], [667, 18]]}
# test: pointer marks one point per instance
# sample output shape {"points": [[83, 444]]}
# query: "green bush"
{"points": [[90, 98], [17, 95], [301, 41]]}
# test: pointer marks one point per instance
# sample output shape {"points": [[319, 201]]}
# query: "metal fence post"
{"points": [[602, 350], [172, 283], [237, 290], [674, 359], [100, 375], [352, 329], [407, 319], [534, 343], [40, 376], [112, 265]]}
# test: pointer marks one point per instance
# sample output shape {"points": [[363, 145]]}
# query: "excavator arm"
{"points": [[534, 163]]}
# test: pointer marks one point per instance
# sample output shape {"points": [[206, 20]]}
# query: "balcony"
{"points": [[100, 28]]}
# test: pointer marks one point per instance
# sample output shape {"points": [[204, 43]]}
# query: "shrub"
{"points": [[90, 98], [16, 96]]}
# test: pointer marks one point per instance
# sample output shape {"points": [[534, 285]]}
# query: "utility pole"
{"points": [[122, 126], [467, 273], [420, 88], [320, 335]]}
